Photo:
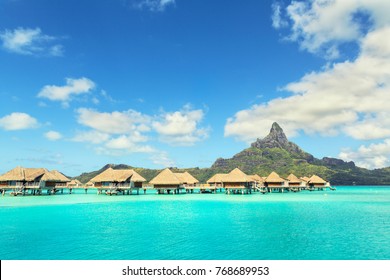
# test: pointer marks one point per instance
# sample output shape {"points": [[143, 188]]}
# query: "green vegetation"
{"points": [[275, 153]]}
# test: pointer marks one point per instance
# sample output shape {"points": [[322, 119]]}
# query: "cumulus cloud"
{"points": [[115, 132], [181, 127], [349, 97], [321, 26], [29, 41], [114, 122], [371, 156], [18, 121], [64, 93], [53, 135], [120, 133], [153, 5]]}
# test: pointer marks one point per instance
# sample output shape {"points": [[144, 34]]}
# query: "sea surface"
{"points": [[348, 224]]}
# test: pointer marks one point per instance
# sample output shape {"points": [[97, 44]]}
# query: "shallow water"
{"points": [[350, 223]]}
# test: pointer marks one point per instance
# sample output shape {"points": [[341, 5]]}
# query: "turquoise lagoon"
{"points": [[347, 224]]}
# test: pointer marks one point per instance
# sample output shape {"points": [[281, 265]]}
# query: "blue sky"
{"points": [[155, 83]]}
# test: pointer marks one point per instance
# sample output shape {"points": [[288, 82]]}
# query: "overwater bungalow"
{"points": [[305, 181], [216, 180], [167, 181], [186, 178], [275, 183], [113, 181], [54, 181], [316, 182], [294, 183], [74, 184], [258, 182], [22, 180], [189, 182], [237, 182]]}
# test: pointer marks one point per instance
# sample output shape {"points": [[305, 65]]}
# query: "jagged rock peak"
{"points": [[275, 139], [276, 134]]}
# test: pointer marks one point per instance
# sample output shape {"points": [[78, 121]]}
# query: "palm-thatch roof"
{"points": [[256, 178], [74, 182], [137, 177], [217, 178], [33, 174], [236, 176], [186, 178], [166, 177], [118, 175], [274, 178], [305, 179], [293, 179], [316, 180], [89, 184], [54, 176]]}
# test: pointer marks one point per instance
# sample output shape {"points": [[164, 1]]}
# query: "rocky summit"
{"points": [[276, 153], [277, 139]]}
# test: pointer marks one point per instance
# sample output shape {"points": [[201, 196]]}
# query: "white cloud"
{"points": [[115, 122], [64, 93], [371, 156], [92, 136], [153, 5], [320, 26], [29, 41], [53, 135], [18, 121], [119, 133], [277, 19], [348, 97], [129, 144], [116, 132], [162, 158], [181, 127]]}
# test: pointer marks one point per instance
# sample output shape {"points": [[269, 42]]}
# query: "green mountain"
{"points": [[276, 153]]}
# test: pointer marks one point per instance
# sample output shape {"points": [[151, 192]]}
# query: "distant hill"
{"points": [[275, 153]]}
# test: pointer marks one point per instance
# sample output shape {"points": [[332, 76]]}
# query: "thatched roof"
{"points": [[74, 182], [186, 178], [293, 179], [136, 177], [33, 174], [217, 178], [236, 176], [118, 175], [305, 179], [274, 178], [166, 177], [316, 180], [89, 184], [54, 176], [256, 178]]}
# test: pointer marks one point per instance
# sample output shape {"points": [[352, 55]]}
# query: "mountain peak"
{"points": [[277, 135], [277, 139], [275, 127]]}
